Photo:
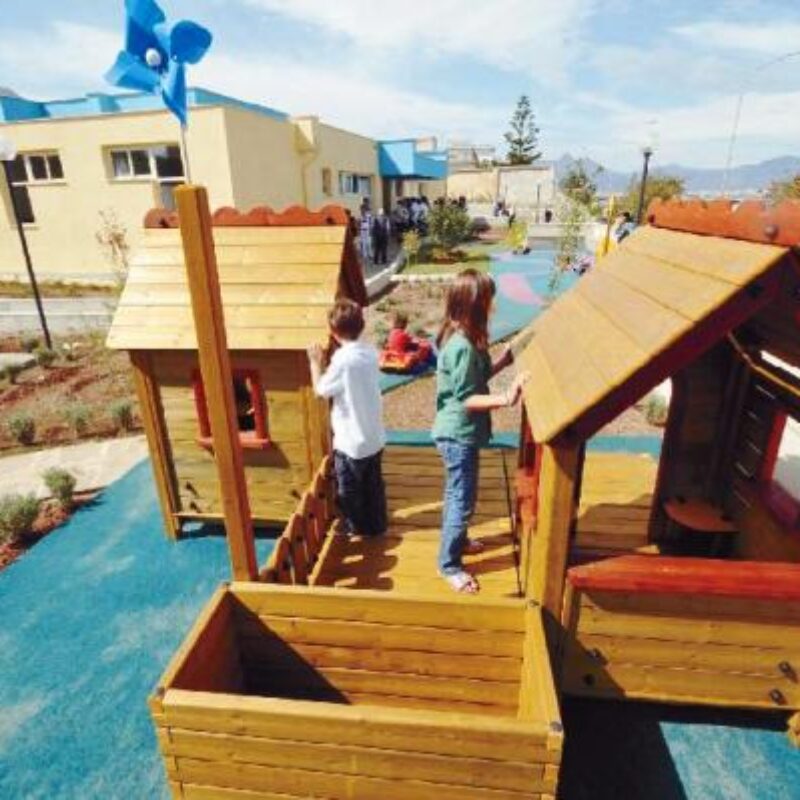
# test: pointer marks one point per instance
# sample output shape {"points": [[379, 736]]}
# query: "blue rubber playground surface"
{"points": [[522, 285], [93, 613]]}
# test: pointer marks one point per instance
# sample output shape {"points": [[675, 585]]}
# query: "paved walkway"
{"points": [[94, 464]]}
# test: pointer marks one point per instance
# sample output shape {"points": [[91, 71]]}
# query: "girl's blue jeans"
{"points": [[460, 492]]}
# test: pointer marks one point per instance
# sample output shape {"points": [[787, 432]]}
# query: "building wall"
{"points": [[518, 186], [63, 239]]}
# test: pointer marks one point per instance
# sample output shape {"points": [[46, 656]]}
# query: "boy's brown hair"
{"points": [[400, 320], [346, 319]]}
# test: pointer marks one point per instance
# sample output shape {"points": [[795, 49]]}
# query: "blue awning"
{"points": [[401, 159]]}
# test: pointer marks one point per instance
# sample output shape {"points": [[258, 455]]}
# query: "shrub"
{"points": [[122, 415], [12, 372], [656, 410], [411, 244], [450, 225], [61, 485], [17, 515], [29, 343], [22, 427], [77, 416], [45, 357]]}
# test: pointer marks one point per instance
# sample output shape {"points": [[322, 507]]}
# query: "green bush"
{"points": [[78, 415], [17, 515], [12, 372], [29, 343], [45, 357], [61, 485], [656, 410], [22, 427], [411, 244], [122, 415], [449, 225]]}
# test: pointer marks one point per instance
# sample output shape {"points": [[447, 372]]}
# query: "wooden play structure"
{"points": [[344, 668], [279, 274]]}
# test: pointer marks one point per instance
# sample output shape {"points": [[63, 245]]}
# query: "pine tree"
{"points": [[523, 138]]}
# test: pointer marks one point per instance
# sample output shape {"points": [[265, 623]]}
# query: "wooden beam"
{"points": [[157, 440], [557, 508], [215, 367]]}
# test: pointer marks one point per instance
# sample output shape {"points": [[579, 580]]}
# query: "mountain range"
{"points": [[744, 179]]}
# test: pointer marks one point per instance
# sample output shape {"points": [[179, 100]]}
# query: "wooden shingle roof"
{"points": [[647, 309], [278, 273]]}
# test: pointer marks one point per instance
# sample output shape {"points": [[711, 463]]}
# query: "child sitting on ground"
{"points": [[401, 341], [351, 382]]}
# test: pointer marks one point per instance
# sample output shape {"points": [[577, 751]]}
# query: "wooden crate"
{"points": [[282, 692], [684, 630]]}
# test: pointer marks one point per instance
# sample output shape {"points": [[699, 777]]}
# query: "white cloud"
{"points": [[769, 40], [536, 36], [66, 58]]}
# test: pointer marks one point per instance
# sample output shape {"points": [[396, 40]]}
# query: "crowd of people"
{"points": [[462, 424]]}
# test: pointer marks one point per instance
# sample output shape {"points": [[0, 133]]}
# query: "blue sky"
{"points": [[605, 76]]}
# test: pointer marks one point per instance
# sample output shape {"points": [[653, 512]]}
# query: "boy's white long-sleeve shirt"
{"points": [[352, 383]]}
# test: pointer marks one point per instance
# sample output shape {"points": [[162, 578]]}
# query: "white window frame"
{"points": [[30, 179], [151, 161], [350, 184]]}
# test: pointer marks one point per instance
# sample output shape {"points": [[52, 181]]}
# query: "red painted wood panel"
{"points": [[638, 574]]}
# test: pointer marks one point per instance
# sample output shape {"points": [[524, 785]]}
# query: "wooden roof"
{"points": [[648, 309], [278, 273]]}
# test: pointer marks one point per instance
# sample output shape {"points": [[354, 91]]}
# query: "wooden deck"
{"points": [[613, 516]]}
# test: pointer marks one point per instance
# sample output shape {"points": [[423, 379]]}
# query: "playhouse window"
{"points": [[251, 411], [781, 472]]}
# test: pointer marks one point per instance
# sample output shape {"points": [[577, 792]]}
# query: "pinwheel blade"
{"points": [[189, 42], [143, 16], [130, 73], [173, 90]]}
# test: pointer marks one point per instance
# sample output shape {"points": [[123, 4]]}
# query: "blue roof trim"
{"points": [[17, 109], [400, 158]]}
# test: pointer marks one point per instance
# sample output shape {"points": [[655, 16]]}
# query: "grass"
{"points": [[21, 289], [476, 256]]}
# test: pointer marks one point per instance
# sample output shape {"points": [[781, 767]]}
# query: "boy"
{"points": [[351, 382], [401, 341]]}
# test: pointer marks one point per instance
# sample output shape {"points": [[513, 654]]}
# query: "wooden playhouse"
{"points": [[344, 668], [278, 274]]}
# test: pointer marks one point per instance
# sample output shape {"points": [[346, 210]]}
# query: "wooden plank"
{"points": [[311, 316], [261, 255], [157, 441], [443, 732], [256, 338], [141, 292], [377, 608], [394, 637], [262, 234], [320, 784], [357, 761], [545, 583], [216, 370]]}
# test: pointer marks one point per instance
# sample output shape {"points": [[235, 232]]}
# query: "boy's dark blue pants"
{"points": [[360, 493]]}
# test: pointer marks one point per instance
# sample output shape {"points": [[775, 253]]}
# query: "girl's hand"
{"points": [[514, 392], [315, 354]]}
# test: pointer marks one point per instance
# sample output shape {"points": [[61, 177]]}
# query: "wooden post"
{"points": [[157, 440], [215, 368], [557, 507]]}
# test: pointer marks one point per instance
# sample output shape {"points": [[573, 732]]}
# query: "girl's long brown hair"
{"points": [[469, 300]]}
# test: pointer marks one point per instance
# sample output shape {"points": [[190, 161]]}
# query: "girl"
{"points": [[463, 424]]}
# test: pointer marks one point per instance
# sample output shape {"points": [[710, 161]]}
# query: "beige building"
{"points": [[529, 186], [115, 157]]}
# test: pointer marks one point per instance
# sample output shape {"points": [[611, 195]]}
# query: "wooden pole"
{"points": [[215, 368]]}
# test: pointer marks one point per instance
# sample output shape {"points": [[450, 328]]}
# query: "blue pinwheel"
{"points": [[156, 54]]}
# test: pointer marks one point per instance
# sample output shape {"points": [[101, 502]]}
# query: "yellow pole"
{"points": [[609, 220], [215, 368]]}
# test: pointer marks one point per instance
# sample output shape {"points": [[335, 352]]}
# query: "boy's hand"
{"points": [[315, 354]]}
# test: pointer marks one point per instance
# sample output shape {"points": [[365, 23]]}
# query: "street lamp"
{"points": [[8, 154], [647, 152]]}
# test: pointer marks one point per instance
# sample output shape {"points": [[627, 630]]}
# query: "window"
{"points": [[30, 168], [780, 476], [162, 163], [327, 182], [350, 183], [251, 410]]}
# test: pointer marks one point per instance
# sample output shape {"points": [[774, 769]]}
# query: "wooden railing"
{"points": [[297, 549]]}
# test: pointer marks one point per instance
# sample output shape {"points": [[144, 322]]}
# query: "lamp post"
{"points": [[737, 116], [7, 155], [647, 152]]}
